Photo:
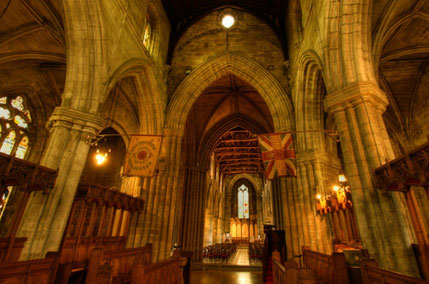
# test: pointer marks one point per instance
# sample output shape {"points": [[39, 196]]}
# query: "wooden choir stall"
{"points": [[99, 218]]}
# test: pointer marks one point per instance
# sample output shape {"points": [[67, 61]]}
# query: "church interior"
{"points": [[214, 141]]}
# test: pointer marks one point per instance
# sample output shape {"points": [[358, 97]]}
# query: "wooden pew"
{"points": [[18, 245], [32, 271], [290, 273], [326, 268], [372, 274], [120, 261], [166, 271]]}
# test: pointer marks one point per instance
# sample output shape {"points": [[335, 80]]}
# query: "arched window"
{"points": [[15, 124], [147, 36], [243, 202]]}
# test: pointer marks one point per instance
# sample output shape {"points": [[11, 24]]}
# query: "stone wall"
{"points": [[249, 36]]}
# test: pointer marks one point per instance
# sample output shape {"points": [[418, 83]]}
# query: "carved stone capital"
{"points": [[172, 132], [75, 120], [355, 94], [317, 156]]}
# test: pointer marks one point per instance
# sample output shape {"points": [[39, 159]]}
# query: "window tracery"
{"points": [[147, 36], [15, 124], [243, 202]]}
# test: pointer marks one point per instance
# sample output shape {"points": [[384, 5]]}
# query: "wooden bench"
{"points": [[290, 273], [121, 261], [32, 271], [18, 245], [326, 268]]}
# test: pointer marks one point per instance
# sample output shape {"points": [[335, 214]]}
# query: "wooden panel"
{"points": [[33, 271]]}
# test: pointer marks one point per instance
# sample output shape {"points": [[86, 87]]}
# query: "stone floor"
{"points": [[225, 277], [233, 271], [240, 257]]}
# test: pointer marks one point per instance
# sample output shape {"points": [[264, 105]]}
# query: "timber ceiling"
{"points": [[237, 152], [224, 121], [183, 13]]}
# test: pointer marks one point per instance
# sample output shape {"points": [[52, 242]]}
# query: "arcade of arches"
{"points": [[74, 69]]}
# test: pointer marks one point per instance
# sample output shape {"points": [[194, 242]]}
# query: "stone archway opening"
{"points": [[220, 144]]}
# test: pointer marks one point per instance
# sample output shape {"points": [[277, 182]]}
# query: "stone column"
{"points": [[163, 198], [194, 207], [365, 145], [46, 216], [314, 168]]}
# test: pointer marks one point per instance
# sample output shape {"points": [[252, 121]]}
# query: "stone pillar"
{"points": [[46, 216], [163, 198], [194, 207], [208, 229], [313, 169], [365, 144]]}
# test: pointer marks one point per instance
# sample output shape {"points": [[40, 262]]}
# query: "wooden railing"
{"points": [[167, 271], [78, 250], [279, 273], [121, 263], [31, 271], [290, 273], [371, 274], [16, 250], [326, 268]]}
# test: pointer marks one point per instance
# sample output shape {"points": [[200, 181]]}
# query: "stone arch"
{"points": [[250, 178], [348, 56], [86, 55], [150, 106], [268, 87], [309, 101]]}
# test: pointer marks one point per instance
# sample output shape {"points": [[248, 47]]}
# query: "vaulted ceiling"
{"points": [[401, 32], [225, 120], [184, 13]]}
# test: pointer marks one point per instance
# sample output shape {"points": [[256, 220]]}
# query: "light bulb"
{"points": [[342, 178], [319, 196], [100, 159], [336, 188], [228, 21]]}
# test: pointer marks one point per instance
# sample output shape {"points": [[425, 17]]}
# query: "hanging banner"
{"points": [[142, 155], [278, 154]]}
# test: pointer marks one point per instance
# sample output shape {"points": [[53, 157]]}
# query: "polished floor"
{"points": [[240, 257], [225, 277]]}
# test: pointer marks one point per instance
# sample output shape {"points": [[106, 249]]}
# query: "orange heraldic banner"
{"points": [[278, 155], [142, 155]]}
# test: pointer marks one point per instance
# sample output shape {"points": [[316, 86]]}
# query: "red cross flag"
{"points": [[278, 154], [142, 155]]}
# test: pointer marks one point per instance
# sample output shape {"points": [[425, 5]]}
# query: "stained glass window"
{"points": [[147, 34], [15, 123], [4, 113], [8, 143], [18, 103], [243, 202], [22, 148]]}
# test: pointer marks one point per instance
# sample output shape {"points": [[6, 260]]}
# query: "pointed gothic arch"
{"points": [[266, 84]]}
